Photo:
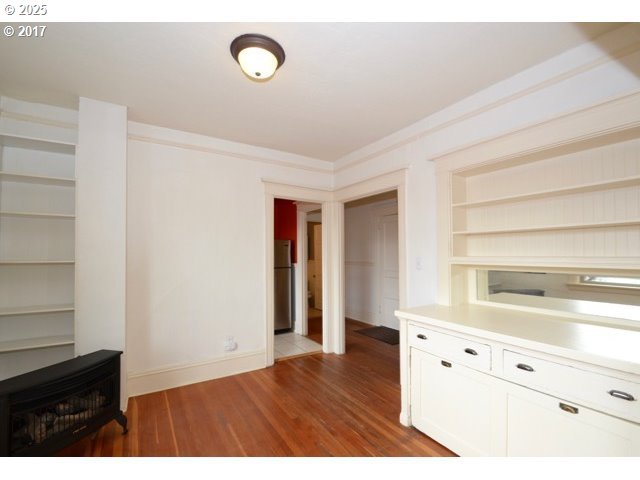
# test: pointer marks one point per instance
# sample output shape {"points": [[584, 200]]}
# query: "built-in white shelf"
{"points": [[33, 143], [592, 263], [38, 179], [35, 310], [37, 215], [37, 262], [543, 228], [37, 218], [584, 188], [35, 343]]}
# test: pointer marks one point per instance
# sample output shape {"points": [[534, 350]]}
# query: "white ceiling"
{"points": [[342, 86]]}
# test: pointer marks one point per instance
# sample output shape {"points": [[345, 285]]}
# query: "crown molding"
{"points": [[190, 141]]}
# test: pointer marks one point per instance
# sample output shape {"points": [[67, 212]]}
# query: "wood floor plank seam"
{"points": [[316, 405]]}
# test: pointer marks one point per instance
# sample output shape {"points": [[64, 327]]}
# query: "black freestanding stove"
{"points": [[47, 409]]}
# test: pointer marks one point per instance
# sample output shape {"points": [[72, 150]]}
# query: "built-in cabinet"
{"points": [[454, 404], [490, 393], [37, 239]]}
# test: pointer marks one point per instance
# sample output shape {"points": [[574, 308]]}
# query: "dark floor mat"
{"points": [[384, 334]]}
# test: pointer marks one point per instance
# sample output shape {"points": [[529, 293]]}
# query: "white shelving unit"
{"points": [[36, 343], [588, 187], [579, 208], [38, 179], [37, 246], [33, 310]]}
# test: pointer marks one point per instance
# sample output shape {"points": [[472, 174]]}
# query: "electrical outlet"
{"points": [[230, 345]]}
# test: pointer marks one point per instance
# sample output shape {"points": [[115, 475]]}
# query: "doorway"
{"points": [[314, 275], [372, 277], [297, 301]]}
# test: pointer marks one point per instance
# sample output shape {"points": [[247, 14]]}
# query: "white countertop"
{"points": [[607, 346]]}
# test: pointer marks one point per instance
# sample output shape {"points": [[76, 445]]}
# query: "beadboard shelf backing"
{"points": [[542, 228], [588, 187], [581, 204]]}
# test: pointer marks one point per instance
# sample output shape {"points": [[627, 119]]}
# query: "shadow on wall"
{"points": [[628, 57]]}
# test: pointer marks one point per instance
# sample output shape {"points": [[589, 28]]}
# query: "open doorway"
{"points": [[297, 324], [372, 279], [314, 276]]}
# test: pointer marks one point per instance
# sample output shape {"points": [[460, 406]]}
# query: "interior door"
{"points": [[388, 271], [317, 279]]}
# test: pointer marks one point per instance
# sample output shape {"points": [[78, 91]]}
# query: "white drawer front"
{"points": [[615, 396], [456, 349]]}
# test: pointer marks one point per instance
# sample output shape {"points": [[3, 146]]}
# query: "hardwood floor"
{"points": [[318, 405]]}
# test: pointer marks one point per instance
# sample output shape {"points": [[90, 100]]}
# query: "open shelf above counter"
{"points": [[568, 190], [595, 263], [542, 228], [573, 207]]}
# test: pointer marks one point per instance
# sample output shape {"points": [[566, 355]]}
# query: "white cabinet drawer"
{"points": [[544, 426], [456, 349], [612, 395]]}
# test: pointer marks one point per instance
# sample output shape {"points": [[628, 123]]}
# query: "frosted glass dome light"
{"points": [[257, 62], [258, 56]]}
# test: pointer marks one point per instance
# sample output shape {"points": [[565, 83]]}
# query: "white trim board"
{"points": [[140, 383]]}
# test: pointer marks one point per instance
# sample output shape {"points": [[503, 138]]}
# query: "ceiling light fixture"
{"points": [[259, 56]]}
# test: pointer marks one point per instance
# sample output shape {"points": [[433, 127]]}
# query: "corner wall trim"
{"points": [[140, 383]]}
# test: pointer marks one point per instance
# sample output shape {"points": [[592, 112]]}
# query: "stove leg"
{"points": [[122, 420]]}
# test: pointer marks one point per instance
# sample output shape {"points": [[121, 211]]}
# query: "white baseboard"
{"points": [[139, 383], [361, 315]]}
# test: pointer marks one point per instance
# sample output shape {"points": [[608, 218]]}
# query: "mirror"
{"points": [[593, 294]]}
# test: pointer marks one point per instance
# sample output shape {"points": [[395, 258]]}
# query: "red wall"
{"points": [[285, 225]]}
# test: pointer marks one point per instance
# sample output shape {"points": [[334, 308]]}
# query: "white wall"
{"points": [[101, 173], [196, 254], [361, 262], [576, 79]]}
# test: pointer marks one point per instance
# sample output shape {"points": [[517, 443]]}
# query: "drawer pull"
{"points": [[622, 395], [470, 351], [525, 367], [445, 364], [568, 408], [421, 336]]}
